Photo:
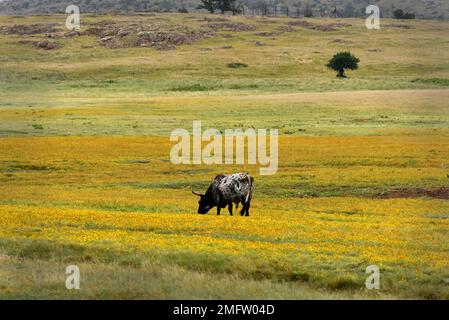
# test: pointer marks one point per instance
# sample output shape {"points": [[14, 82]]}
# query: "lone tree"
{"points": [[342, 61]]}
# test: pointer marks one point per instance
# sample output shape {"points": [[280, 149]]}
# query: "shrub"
{"points": [[236, 65], [400, 14], [192, 87]]}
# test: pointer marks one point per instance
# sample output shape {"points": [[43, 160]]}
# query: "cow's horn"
{"points": [[197, 193]]}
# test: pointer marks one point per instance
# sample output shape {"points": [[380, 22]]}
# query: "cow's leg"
{"points": [[230, 205], [247, 208], [218, 210], [242, 200]]}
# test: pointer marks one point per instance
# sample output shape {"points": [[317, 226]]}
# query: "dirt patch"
{"points": [[300, 23], [29, 29], [230, 26], [437, 193], [286, 28], [71, 34], [160, 37], [108, 28], [45, 45], [324, 27], [269, 34], [319, 27], [344, 41], [216, 48], [341, 25], [168, 41], [226, 35], [213, 19]]}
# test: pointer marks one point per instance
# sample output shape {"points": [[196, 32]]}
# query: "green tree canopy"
{"points": [[342, 61], [221, 5]]}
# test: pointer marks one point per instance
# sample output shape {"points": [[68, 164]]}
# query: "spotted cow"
{"points": [[225, 190]]}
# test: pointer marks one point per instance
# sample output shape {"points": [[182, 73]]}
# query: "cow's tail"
{"points": [[249, 195]]}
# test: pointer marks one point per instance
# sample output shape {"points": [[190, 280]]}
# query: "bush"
{"points": [[236, 65], [400, 14], [192, 87], [243, 86]]}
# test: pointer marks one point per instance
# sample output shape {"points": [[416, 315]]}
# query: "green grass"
{"points": [[134, 279], [110, 274], [436, 81], [193, 87]]}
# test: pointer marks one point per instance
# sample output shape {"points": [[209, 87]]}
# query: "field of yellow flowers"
{"points": [[320, 222]]}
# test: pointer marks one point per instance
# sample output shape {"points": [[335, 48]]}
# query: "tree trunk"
{"points": [[341, 73]]}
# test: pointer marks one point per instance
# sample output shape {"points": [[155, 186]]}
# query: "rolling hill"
{"points": [[427, 9]]}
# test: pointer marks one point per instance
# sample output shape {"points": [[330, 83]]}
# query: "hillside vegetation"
{"points": [[429, 9]]}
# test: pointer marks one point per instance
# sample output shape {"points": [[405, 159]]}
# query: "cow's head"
{"points": [[204, 204]]}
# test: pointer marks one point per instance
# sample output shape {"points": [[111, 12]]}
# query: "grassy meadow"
{"points": [[86, 177]]}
